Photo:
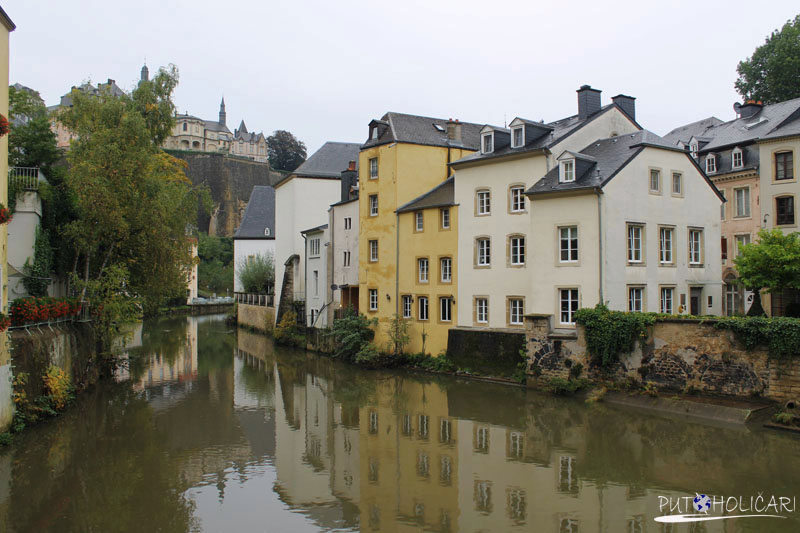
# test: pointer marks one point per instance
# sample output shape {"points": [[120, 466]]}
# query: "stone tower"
{"points": [[222, 115], [145, 74]]}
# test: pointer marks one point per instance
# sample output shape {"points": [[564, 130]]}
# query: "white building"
{"points": [[302, 201], [494, 218], [316, 259], [256, 234], [343, 251]]}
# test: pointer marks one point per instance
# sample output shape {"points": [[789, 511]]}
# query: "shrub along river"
{"points": [[210, 429]]}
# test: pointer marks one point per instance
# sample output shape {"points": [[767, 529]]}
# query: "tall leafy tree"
{"points": [[772, 73], [772, 264], [285, 151]]}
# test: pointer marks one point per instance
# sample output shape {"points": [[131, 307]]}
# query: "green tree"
{"points": [[772, 73], [772, 264], [397, 329], [215, 271], [37, 275], [285, 151], [352, 334], [257, 274], [133, 200]]}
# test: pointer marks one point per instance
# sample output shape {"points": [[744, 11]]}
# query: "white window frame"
{"points": [[654, 173], [373, 251], [695, 246], [677, 177], [313, 247], [516, 251], [373, 205], [373, 167], [517, 199], [446, 269], [667, 300], [745, 205], [635, 244], [408, 304], [711, 164], [514, 131], [423, 267], [445, 309], [484, 253], [722, 206], [738, 238], [348, 223], [445, 217], [422, 308], [484, 199], [516, 310], [635, 299], [346, 258], [737, 152], [666, 245], [566, 171], [572, 235], [373, 299], [419, 221], [693, 148], [573, 304], [482, 310], [487, 148]]}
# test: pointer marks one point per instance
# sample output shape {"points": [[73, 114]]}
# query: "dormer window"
{"points": [[711, 164], [567, 171], [693, 149], [737, 159], [374, 134], [487, 143], [517, 137]]}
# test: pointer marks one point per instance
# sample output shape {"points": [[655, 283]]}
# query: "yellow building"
{"points": [[8, 27], [405, 158]]}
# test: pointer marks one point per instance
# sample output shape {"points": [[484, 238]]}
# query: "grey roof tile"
{"points": [[440, 196], [259, 215], [330, 160], [772, 121], [422, 130], [687, 131]]}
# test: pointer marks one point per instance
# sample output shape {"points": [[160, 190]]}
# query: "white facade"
{"points": [[245, 248], [343, 255], [300, 203], [317, 290], [502, 279], [22, 239]]}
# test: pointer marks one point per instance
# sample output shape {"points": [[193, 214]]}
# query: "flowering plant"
{"points": [[4, 126], [30, 309], [5, 214], [5, 321]]}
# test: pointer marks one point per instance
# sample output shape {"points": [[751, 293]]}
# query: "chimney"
{"points": [[749, 108], [349, 182], [351, 165], [588, 101], [627, 103], [110, 82], [454, 130]]}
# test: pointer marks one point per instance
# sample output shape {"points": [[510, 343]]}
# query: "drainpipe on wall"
{"points": [[305, 277], [397, 265], [599, 193]]}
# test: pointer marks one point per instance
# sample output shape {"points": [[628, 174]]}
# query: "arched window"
{"points": [[185, 127]]}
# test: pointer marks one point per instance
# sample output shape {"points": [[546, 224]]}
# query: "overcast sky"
{"points": [[323, 70]]}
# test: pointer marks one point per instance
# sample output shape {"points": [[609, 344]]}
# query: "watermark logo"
{"points": [[702, 508]]}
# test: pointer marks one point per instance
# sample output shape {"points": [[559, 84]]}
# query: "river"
{"points": [[213, 430]]}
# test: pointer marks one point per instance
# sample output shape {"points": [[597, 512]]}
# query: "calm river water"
{"points": [[213, 431]]}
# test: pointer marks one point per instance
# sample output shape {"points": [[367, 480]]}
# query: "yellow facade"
{"points": [[405, 172], [7, 28]]}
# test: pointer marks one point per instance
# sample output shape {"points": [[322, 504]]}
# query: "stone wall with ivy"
{"points": [[680, 355]]}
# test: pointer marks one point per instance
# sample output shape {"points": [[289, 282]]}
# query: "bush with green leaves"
{"points": [[288, 332], [351, 334], [610, 333], [780, 334], [257, 273], [397, 330]]}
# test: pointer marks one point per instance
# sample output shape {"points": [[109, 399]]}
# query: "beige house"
{"points": [[6, 405]]}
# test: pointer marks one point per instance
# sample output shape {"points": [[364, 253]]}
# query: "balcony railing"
{"points": [[24, 178], [264, 300]]}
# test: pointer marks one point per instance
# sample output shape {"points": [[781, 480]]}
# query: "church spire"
{"points": [[222, 115], [145, 74]]}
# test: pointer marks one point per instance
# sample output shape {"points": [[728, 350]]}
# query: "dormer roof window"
{"points": [[711, 164], [737, 158], [566, 170], [374, 133], [487, 142], [518, 137], [693, 147]]}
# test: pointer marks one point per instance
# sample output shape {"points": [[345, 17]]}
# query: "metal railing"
{"points": [[264, 300], [24, 178]]}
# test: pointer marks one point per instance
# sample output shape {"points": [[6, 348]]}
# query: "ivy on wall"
{"points": [[610, 333], [781, 335]]}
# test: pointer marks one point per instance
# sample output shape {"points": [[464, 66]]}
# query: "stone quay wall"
{"points": [[678, 355], [257, 317]]}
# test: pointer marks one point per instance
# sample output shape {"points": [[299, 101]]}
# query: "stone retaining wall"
{"points": [[256, 316], [679, 355], [488, 352]]}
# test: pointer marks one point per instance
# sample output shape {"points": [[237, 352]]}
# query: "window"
{"points": [[784, 166], [635, 296], [742, 199], [484, 252], [487, 142], [711, 164], [667, 299], [446, 309], [418, 221], [313, 246], [517, 200], [316, 283], [518, 136], [677, 184], [373, 251], [655, 180], [568, 244], [373, 168], [484, 202], [184, 126], [517, 250], [784, 207], [422, 302], [515, 311], [724, 246], [446, 265], [346, 258], [374, 133], [665, 241], [481, 440], [722, 205], [569, 305], [741, 240], [737, 159], [407, 306], [422, 267], [695, 246], [373, 205], [348, 223], [373, 299], [635, 235], [482, 310], [445, 218], [566, 170], [693, 147]]}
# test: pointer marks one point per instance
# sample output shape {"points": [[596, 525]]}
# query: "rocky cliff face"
{"points": [[230, 180]]}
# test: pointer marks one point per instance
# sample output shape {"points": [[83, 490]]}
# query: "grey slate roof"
{"points": [[315, 229], [259, 214], [422, 130], [561, 129], [687, 131], [610, 156], [215, 125], [330, 160], [440, 196], [771, 122]]}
